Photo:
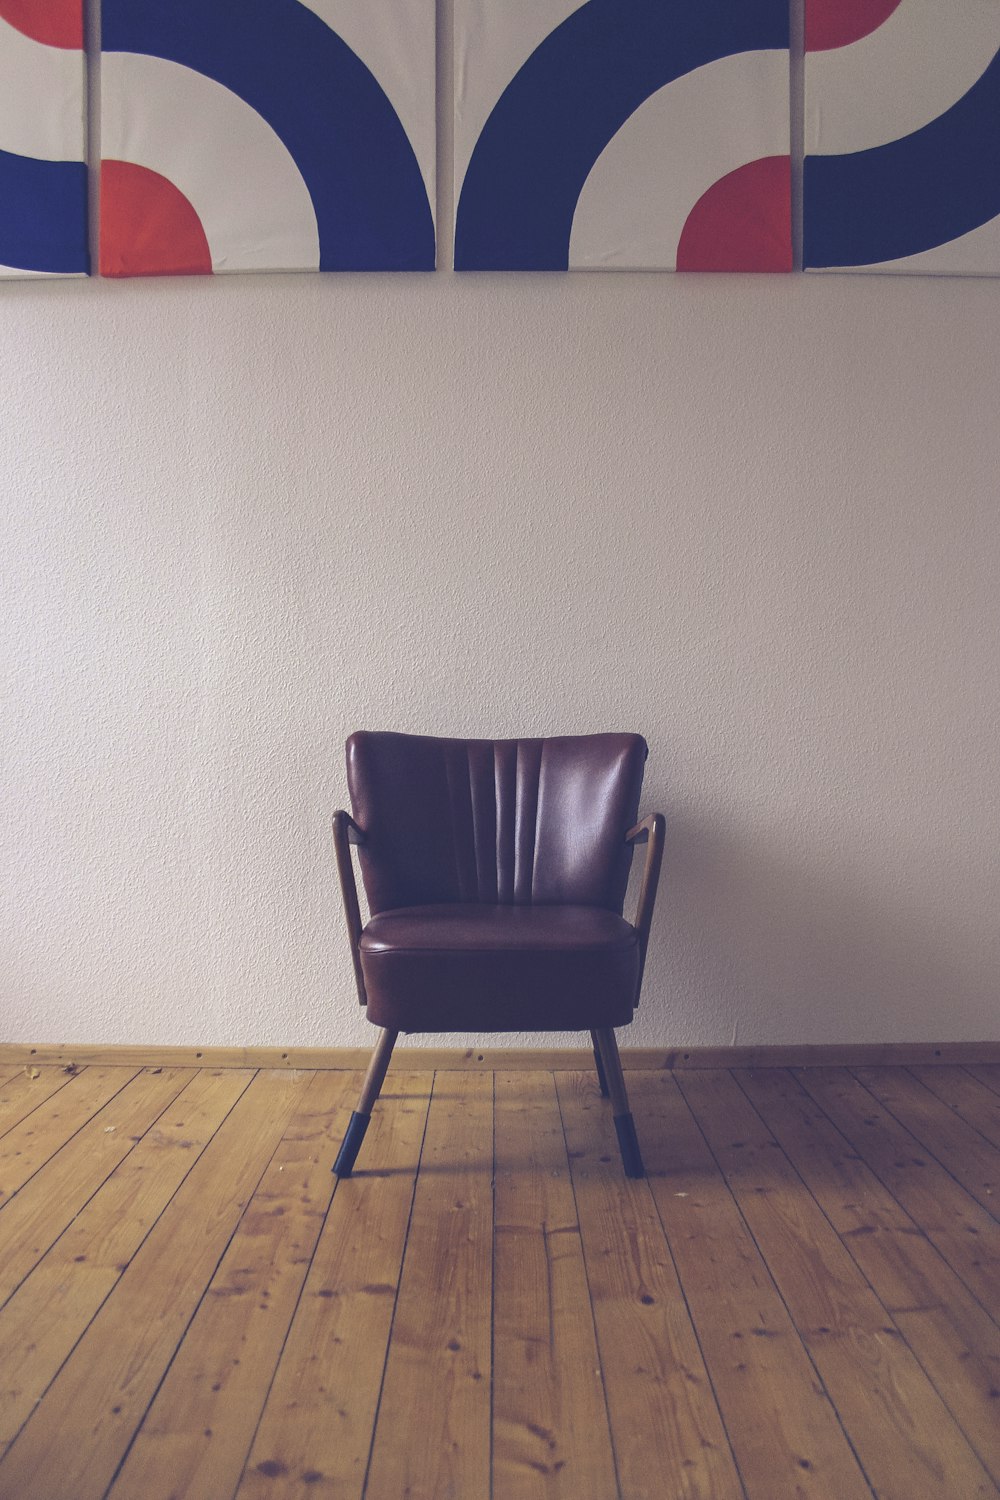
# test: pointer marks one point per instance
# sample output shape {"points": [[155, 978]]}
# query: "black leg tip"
{"points": [[347, 1155], [628, 1142]]}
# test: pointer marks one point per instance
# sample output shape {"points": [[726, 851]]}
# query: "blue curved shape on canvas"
{"points": [[570, 98], [43, 222], [913, 194], [319, 98]]}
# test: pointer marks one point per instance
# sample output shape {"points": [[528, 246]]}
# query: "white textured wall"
{"points": [[755, 519]]}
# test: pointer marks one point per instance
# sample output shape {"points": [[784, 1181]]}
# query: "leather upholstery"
{"points": [[517, 822], [485, 967]]}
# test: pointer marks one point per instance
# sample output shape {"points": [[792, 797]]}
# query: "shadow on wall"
{"points": [[753, 945]]}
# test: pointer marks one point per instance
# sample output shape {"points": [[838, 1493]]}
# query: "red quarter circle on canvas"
{"points": [[743, 222], [837, 23], [148, 226], [57, 23]]}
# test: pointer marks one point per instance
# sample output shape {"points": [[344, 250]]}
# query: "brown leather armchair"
{"points": [[495, 872]]}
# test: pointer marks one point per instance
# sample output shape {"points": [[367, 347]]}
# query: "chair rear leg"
{"points": [[624, 1125], [599, 1065], [355, 1133]]}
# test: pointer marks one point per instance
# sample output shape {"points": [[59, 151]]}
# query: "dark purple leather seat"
{"points": [[470, 967], [495, 872]]}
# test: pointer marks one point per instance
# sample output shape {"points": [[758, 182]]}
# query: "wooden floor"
{"points": [[802, 1298]]}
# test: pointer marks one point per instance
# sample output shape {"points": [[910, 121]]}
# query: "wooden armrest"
{"points": [[355, 835], [649, 832], [345, 833]]}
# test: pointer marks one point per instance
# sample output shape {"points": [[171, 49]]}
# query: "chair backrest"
{"points": [[514, 822]]}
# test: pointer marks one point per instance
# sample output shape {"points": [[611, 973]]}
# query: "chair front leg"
{"points": [[374, 1078], [599, 1065], [624, 1124]]}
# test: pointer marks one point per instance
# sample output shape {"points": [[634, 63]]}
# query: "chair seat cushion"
{"points": [[487, 967]]}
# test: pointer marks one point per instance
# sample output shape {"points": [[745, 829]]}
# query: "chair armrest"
{"points": [[345, 833], [649, 832], [355, 835]]}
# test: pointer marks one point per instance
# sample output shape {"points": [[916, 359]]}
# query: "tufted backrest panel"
{"points": [[509, 821]]}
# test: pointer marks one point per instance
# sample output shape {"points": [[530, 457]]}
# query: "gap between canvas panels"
{"points": [[92, 38]]}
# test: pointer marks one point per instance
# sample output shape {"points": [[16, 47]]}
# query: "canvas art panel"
{"points": [[283, 135], [622, 134], [43, 175], [902, 135]]}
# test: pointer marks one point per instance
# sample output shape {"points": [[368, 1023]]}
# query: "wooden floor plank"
{"points": [[987, 1074], [38, 1214], [432, 1432], [959, 1147], [26, 1089], [79, 1433], [550, 1423], [196, 1435], [668, 1434], [28, 1145], [315, 1433], [971, 1100], [902, 1432], [941, 1321], [51, 1310], [781, 1424], [963, 1232]]}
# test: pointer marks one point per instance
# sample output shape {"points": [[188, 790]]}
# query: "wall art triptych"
{"points": [[301, 135]]}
